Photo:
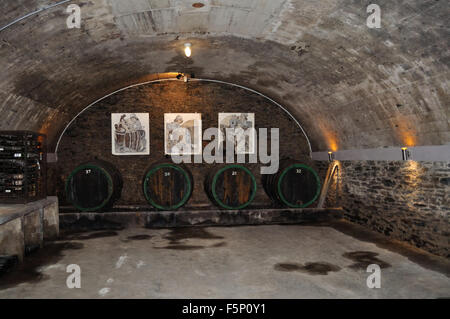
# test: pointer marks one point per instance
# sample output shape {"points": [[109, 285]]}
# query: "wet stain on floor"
{"points": [[86, 224], [319, 268], [287, 267], [178, 234], [181, 247], [363, 259], [100, 234], [139, 237], [312, 268], [29, 271], [31, 249], [414, 254], [221, 244], [7, 262]]}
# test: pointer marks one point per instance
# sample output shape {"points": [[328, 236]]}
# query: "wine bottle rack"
{"points": [[22, 166]]}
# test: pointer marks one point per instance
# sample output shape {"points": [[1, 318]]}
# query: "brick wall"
{"points": [[90, 134], [405, 200]]}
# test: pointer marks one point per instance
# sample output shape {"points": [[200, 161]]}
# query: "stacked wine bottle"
{"points": [[22, 166]]}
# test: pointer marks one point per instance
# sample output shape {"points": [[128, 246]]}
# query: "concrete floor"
{"points": [[227, 262]]}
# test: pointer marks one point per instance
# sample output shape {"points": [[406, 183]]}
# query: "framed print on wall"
{"points": [[183, 133], [242, 126], [130, 133]]}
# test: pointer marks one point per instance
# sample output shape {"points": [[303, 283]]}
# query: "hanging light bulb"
{"points": [[187, 49]]}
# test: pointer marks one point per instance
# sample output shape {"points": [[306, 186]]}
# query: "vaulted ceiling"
{"points": [[348, 85]]}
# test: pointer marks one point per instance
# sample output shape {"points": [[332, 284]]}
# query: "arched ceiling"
{"points": [[349, 86]]}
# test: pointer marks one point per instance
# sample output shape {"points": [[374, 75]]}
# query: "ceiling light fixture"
{"points": [[187, 49]]}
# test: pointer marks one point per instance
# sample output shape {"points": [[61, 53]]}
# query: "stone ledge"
{"points": [[24, 227], [9, 212], [164, 219]]}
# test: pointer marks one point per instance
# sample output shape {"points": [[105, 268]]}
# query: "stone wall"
{"points": [[405, 200], [89, 136]]}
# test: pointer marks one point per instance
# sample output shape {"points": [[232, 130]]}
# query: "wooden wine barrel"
{"points": [[295, 184], [94, 186], [168, 186], [231, 186]]}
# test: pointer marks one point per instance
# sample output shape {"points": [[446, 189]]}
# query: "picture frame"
{"points": [[182, 133], [130, 134], [242, 125]]}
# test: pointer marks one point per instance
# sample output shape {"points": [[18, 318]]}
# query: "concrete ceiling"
{"points": [[349, 86]]}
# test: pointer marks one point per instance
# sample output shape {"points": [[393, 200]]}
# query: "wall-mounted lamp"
{"points": [[406, 154], [330, 156], [187, 49]]}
